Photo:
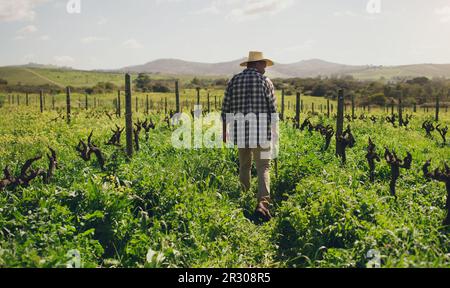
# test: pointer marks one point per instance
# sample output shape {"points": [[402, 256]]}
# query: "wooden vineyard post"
{"points": [[68, 104], [119, 110], [282, 105], [147, 104], [301, 106], [137, 104], [297, 110], [165, 105], [41, 104], [437, 106], [86, 103], [177, 97], [400, 108], [415, 108], [18, 100], [26, 99], [128, 115], [392, 107], [53, 101], [339, 121], [198, 95], [353, 107], [209, 104], [215, 103], [328, 108]]}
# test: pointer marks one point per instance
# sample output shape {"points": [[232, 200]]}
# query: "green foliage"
{"points": [[377, 99], [184, 208], [143, 82]]}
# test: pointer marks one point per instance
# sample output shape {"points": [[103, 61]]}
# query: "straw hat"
{"points": [[255, 56]]}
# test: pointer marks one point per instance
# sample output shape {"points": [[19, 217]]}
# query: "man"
{"points": [[248, 106]]}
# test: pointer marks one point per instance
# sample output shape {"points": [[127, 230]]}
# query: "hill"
{"points": [[36, 74], [302, 69]]}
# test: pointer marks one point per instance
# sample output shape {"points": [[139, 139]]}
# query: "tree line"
{"points": [[419, 90]]}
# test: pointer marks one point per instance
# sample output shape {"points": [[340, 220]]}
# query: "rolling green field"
{"points": [[74, 78], [188, 98], [168, 207]]}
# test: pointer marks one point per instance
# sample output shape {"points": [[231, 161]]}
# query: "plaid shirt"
{"points": [[250, 92]]}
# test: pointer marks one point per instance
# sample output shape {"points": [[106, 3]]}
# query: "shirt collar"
{"points": [[252, 69]]}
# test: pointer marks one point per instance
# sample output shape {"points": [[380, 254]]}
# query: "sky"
{"points": [[109, 34]]}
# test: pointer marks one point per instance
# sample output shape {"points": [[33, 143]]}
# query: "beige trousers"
{"points": [[262, 167]]}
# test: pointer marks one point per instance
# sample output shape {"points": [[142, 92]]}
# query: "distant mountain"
{"points": [[180, 67], [314, 68], [43, 66], [409, 71], [303, 69]]}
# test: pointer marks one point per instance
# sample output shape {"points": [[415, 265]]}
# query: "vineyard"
{"points": [[350, 184]]}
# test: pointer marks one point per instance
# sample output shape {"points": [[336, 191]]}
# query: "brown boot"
{"points": [[262, 210]]}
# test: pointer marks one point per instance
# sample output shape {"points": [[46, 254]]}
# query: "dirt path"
{"points": [[44, 78]]}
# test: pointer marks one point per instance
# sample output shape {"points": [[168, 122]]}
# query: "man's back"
{"points": [[250, 93]]}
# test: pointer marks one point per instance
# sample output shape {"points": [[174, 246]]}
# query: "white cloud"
{"points": [[307, 45], [213, 9], [242, 10], [92, 39], [29, 58], [444, 13], [132, 44], [254, 9], [169, 1], [102, 21], [44, 38], [27, 30], [344, 13], [18, 10], [22, 33], [63, 60]]}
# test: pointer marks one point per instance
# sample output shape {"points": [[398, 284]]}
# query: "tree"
{"points": [[377, 99], [419, 80], [196, 81], [319, 90], [160, 88], [143, 82], [220, 82], [3, 82]]}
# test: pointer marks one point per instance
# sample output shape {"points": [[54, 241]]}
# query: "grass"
{"points": [[74, 78], [167, 207]]}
